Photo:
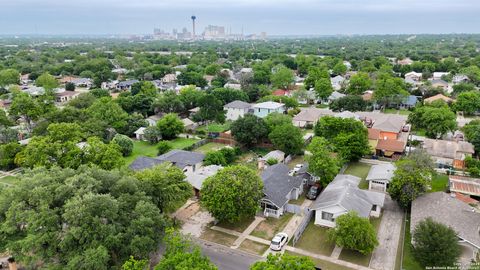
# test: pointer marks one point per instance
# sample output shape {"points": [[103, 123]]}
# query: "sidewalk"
{"points": [[326, 258], [247, 231]]}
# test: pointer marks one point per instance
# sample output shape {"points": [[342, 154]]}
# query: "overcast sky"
{"points": [[276, 17]]}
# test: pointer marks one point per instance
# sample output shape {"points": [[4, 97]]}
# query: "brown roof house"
{"points": [[446, 209], [438, 97], [309, 116], [447, 154]]}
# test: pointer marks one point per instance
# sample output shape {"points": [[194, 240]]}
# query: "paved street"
{"points": [[226, 258]]}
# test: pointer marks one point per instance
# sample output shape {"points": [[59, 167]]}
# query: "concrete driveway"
{"points": [[383, 257], [193, 218]]}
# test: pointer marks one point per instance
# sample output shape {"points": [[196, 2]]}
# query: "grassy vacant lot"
{"points": [[439, 183], [324, 265], [315, 239], [355, 256], [270, 226], [361, 170], [253, 247], [209, 147], [142, 148], [218, 237], [215, 127], [238, 226], [9, 180]]}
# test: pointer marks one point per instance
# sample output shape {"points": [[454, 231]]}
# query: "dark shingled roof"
{"points": [[277, 183], [179, 158]]}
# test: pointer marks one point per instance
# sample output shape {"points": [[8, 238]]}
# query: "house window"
{"points": [[327, 216], [374, 208]]}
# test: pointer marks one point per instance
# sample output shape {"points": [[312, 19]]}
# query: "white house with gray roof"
{"points": [[197, 178], [265, 108], [380, 176], [279, 188], [236, 109], [343, 195]]}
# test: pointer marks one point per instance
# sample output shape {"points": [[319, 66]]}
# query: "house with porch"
{"points": [[343, 195], [279, 188], [379, 176], [265, 108]]}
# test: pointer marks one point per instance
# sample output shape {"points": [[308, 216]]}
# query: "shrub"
{"points": [[163, 147]]}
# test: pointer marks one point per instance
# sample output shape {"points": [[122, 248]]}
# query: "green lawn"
{"points": [[218, 237], [420, 132], [238, 226], [253, 247], [215, 127], [10, 180], [361, 170], [324, 265], [322, 106], [271, 226], [142, 148], [439, 183], [210, 147], [395, 111], [409, 261], [315, 239]]}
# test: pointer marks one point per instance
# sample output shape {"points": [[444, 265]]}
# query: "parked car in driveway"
{"points": [[279, 241], [313, 192]]}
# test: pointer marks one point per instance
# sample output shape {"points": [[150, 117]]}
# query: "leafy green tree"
{"points": [[287, 138], [23, 105], [322, 162], [472, 132], [262, 72], [214, 158], [354, 232], [190, 97], [8, 77], [323, 88], [285, 261], [133, 264], [181, 253], [468, 102], [315, 73], [409, 181], [227, 95], [110, 112], [99, 93], [348, 136], [90, 219], [166, 185], [435, 244], [69, 86], [163, 147], [389, 89], [462, 87], [473, 73], [348, 103], [277, 119], [152, 134], [83, 101], [436, 120], [359, 83], [170, 126], [290, 102], [106, 156], [249, 130], [191, 78], [339, 69], [221, 193], [282, 77], [169, 102], [212, 69], [46, 81], [211, 108], [7, 155], [125, 143]]}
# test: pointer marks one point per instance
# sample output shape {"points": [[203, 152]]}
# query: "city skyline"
{"points": [[283, 17]]}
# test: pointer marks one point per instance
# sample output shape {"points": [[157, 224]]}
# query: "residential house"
{"points": [[438, 97], [197, 178], [343, 195], [405, 62], [169, 78], [414, 76], [236, 109], [66, 96], [379, 176], [464, 185], [337, 82], [447, 209], [308, 117], [439, 75], [277, 155], [153, 119], [442, 85], [139, 134], [126, 85], [386, 133], [188, 124], [235, 86], [449, 154], [187, 161], [279, 188], [408, 102], [460, 78], [83, 82], [265, 108], [281, 93], [334, 96]]}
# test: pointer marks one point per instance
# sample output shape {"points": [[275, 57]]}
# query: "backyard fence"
{"points": [[303, 225], [197, 145]]}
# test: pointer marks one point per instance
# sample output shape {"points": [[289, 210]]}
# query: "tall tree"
{"points": [[46, 81], [287, 138], [282, 77], [249, 130], [285, 261], [8, 77], [359, 83], [322, 162], [221, 194], [468, 102], [170, 126], [323, 88]]}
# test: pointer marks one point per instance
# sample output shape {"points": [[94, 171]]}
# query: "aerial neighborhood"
{"points": [[334, 153]]}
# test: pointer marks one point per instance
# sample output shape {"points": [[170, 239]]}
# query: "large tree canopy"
{"points": [[283, 262], [249, 130], [322, 162], [78, 219]]}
